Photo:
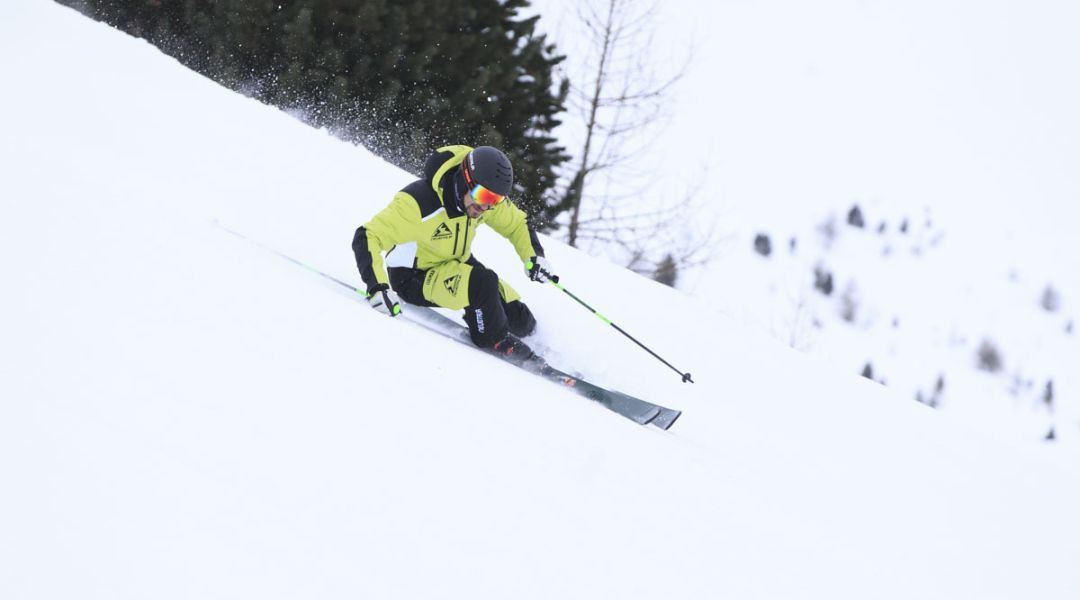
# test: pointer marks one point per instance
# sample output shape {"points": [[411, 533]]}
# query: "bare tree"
{"points": [[623, 101]]}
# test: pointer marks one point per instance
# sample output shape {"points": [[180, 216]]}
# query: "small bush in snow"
{"points": [[933, 399], [762, 244], [939, 389], [823, 280], [667, 272], [849, 303], [828, 230], [855, 217], [988, 357], [1051, 299]]}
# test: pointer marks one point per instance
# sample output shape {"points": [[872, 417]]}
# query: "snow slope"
{"points": [[185, 415], [950, 114]]}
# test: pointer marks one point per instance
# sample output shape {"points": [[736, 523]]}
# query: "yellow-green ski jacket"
{"points": [[428, 213]]}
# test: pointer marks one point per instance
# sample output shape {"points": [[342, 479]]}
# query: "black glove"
{"points": [[539, 269], [384, 300]]}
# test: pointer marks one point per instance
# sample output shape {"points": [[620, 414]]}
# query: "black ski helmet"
{"points": [[490, 168]]}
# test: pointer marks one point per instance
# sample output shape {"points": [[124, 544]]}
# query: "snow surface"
{"points": [[186, 415]]}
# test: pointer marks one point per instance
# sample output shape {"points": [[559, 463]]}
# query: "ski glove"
{"points": [[384, 300], [539, 269]]}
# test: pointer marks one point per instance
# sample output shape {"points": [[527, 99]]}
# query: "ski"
{"points": [[635, 409]]}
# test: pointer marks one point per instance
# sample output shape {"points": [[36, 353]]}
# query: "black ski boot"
{"points": [[513, 350]]}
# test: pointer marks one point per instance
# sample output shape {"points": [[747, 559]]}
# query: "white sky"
{"points": [[962, 105]]}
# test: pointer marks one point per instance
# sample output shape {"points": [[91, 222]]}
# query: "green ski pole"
{"points": [[555, 282]]}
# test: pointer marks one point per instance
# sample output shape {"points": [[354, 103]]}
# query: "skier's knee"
{"points": [[483, 286], [520, 318], [409, 284]]}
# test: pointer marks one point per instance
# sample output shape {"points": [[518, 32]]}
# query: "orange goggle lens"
{"points": [[484, 196]]}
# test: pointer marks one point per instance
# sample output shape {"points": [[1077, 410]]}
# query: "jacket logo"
{"points": [[442, 232], [451, 284]]}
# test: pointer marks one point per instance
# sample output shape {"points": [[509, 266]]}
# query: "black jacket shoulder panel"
{"points": [[436, 160], [425, 197], [448, 179]]}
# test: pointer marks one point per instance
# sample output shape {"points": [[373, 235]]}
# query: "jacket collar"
{"points": [[454, 190]]}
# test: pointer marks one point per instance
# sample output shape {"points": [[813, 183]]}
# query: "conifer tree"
{"points": [[402, 77]]}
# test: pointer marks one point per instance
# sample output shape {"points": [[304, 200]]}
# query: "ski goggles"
{"points": [[485, 197]]}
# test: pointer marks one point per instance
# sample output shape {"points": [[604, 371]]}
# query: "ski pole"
{"points": [[555, 282]]}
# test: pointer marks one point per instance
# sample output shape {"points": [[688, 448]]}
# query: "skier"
{"points": [[427, 231]]}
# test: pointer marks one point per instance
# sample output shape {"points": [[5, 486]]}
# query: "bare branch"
{"points": [[624, 103]]}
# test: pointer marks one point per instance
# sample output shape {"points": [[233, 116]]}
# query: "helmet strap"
{"points": [[466, 173]]}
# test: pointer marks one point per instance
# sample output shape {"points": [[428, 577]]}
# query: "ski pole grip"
{"points": [[553, 278]]}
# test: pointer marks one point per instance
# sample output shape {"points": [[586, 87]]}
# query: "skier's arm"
{"points": [[511, 223], [395, 224]]}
